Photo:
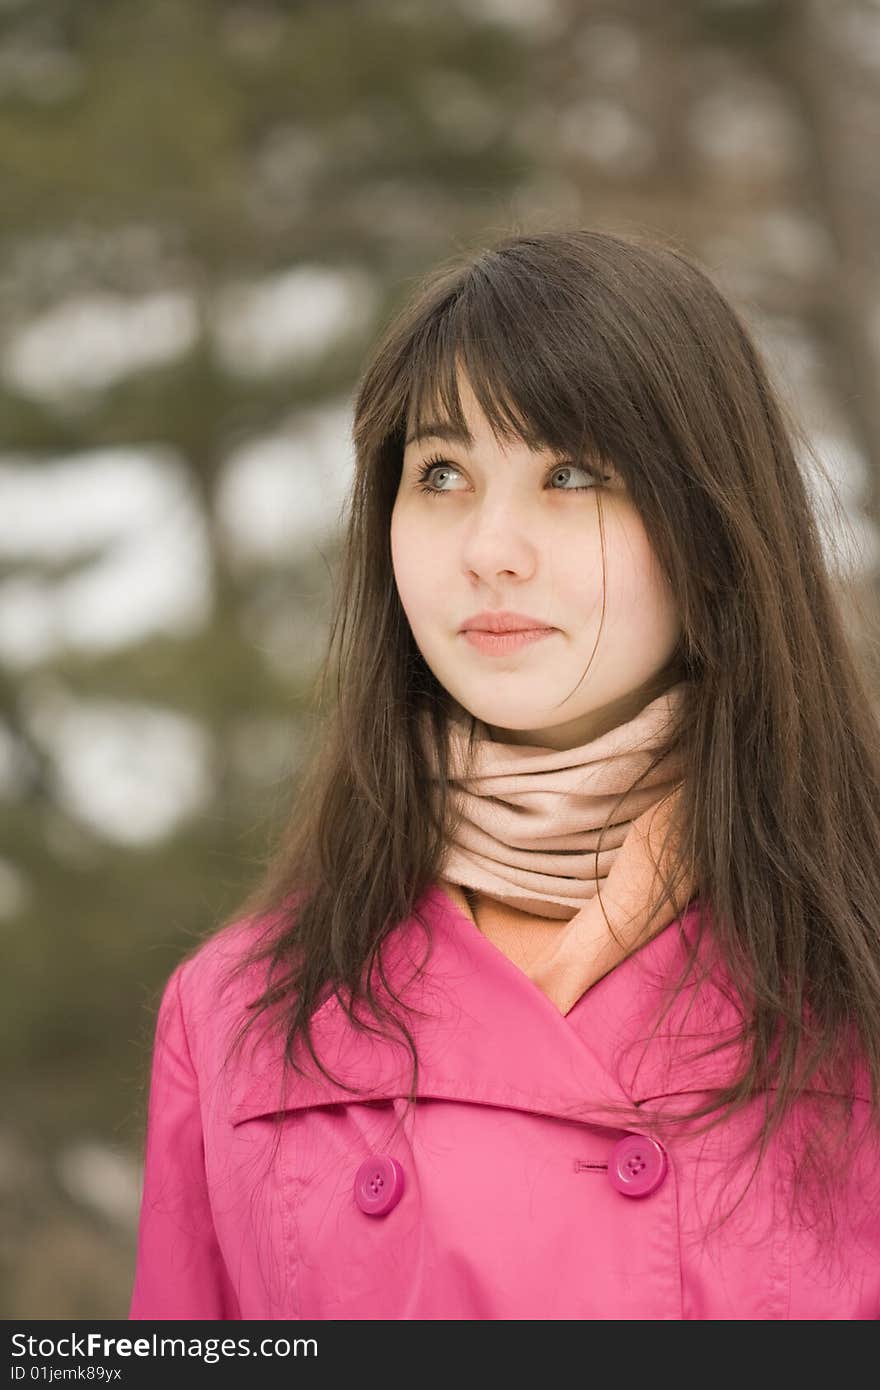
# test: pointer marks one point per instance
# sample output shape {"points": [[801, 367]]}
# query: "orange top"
{"points": [[523, 937]]}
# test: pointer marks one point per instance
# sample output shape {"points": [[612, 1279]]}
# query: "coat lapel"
{"points": [[486, 1033]]}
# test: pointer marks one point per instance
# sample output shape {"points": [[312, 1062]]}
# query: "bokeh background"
{"points": [[208, 209]]}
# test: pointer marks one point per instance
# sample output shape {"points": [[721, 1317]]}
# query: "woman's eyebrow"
{"points": [[441, 429]]}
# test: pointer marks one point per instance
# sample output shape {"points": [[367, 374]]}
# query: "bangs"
{"points": [[528, 383]]}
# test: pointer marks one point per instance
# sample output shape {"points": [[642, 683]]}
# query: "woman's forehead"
{"points": [[433, 422], [430, 416]]}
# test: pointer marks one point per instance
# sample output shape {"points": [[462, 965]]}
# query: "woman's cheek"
{"points": [[404, 550], [418, 583]]}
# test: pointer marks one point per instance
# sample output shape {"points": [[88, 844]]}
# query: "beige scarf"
{"points": [[530, 826]]}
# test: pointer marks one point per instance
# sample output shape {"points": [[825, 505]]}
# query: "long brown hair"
{"points": [[620, 347]]}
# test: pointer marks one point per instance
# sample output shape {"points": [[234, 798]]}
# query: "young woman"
{"points": [[560, 995]]}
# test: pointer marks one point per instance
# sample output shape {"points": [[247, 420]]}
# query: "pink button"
{"points": [[637, 1165], [378, 1184]]}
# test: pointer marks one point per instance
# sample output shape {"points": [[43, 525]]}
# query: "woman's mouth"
{"points": [[496, 643]]}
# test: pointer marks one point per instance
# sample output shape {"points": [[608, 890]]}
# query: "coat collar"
{"points": [[487, 1033]]}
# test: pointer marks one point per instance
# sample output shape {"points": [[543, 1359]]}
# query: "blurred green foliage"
{"points": [[162, 120]]}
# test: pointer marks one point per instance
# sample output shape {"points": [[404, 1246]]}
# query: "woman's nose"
{"points": [[500, 538]]}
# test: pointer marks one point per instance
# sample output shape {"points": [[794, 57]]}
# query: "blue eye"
{"points": [[427, 468], [437, 461], [575, 468]]}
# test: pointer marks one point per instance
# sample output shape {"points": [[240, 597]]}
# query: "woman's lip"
{"points": [[499, 642]]}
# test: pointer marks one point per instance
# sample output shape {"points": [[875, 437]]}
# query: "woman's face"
{"points": [[505, 530]]}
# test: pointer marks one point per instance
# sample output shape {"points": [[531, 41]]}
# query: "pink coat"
{"points": [[505, 1193]]}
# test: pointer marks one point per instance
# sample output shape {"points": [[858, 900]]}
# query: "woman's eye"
{"points": [[567, 469], [427, 468], [440, 466]]}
